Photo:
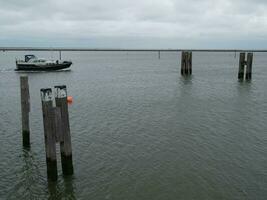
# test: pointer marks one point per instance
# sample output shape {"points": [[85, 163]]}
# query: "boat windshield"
{"points": [[29, 57]]}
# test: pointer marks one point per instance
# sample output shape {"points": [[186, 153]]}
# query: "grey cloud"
{"points": [[167, 19]]}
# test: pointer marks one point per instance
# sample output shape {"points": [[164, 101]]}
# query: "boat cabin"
{"points": [[29, 57]]}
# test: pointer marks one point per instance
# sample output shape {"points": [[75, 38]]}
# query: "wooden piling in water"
{"points": [[249, 66], [190, 63], [25, 110], [186, 63], [49, 133], [245, 66], [65, 145], [242, 63]]}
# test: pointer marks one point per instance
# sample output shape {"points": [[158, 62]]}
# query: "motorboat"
{"points": [[32, 63]]}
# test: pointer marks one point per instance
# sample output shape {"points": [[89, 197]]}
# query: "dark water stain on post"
{"points": [[25, 110], [65, 145]]}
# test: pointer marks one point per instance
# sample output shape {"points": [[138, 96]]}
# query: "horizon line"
{"points": [[124, 49]]}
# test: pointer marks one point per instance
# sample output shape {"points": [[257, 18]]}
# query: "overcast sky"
{"points": [[134, 23]]}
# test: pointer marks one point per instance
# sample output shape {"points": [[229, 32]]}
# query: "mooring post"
{"points": [[242, 63], [159, 54], [245, 66], [190, 62], [65, 145], [186, 63], [49, 133], [25, 109], [59, 55], [249, 65], [183, 63]]}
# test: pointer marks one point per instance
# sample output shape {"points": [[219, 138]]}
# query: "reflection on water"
{"points": [[30, 182], [62, 190]]}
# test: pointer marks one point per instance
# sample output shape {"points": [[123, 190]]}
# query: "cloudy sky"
{"points": [[134, 23]]}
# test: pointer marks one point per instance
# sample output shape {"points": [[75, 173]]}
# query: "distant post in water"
{"points": [[186, 63], [242, 63], [49, 133], [245, 66], [65, 145], [249, 66], [25, 110]]}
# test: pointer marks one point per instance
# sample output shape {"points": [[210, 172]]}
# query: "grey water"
{"points": [[141, 131]]}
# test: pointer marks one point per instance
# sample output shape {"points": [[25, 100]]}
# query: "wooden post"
{"points": [[25, 109], [49, 133], [249, 66], [183, 63], [242, 63], [65, 145], [245, 66], [186, 63], [159, 54], [189, 63], [59, 55]]}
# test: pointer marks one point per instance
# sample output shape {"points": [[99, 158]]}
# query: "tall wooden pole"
{"points": [[245, 66], [249, 66], [242, 63], [186, 63], [49, 133], [25, 109], [65, 145], [190, 63]]}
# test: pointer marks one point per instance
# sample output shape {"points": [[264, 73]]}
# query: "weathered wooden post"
{"points": [[190, 62], [49, 133], [65, 145], [249, 66], [159, 55], [25, 109], [245, 66], [183, 61], [242, 63], [59, 55], [186, 63]]}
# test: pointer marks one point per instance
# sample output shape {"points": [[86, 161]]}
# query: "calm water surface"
{"points": [[140, 130]]}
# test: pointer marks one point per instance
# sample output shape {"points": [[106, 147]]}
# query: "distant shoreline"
{"points": [[119, 49]]}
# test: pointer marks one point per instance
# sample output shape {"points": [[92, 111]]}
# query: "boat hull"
{"points": [[52, 67]]}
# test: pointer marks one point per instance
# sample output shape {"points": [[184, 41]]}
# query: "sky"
{"points": [[134, 23]]}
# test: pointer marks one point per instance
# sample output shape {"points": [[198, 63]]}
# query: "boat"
{"points": [[32, 63]]}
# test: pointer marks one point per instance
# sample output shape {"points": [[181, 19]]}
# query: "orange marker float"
{"points": [[69, 99]]}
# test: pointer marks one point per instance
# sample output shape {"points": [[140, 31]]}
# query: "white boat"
{"points": [[32, 63]]}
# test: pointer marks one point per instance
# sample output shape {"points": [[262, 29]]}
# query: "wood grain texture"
{"points": [[50, 138], [25, 109], [65, 145]]}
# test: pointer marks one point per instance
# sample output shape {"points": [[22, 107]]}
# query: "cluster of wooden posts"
{"points": [[56, 126], [245, 64], [186, 63]]}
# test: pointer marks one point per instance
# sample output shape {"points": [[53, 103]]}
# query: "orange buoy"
{"points": [[69, 99]]}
